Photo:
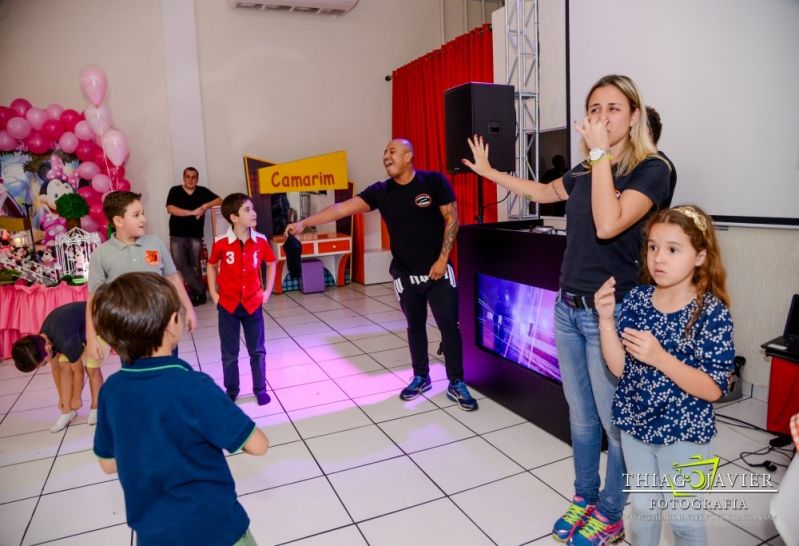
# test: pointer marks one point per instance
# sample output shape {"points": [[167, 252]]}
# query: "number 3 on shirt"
{"points": [[230, 257]]}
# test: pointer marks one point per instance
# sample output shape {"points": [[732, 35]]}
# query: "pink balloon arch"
{"points": [[46, 152]]}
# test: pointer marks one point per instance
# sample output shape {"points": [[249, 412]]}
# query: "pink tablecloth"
{"points": [[23, 308]]}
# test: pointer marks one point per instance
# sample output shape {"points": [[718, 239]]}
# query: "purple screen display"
{"points": [[517, 322]]}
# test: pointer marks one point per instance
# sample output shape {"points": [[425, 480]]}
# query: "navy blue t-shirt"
{"points": [[65, 327], [589, 261], [166, 425], [413, 218]]}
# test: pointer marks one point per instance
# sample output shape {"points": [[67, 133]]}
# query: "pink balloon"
{"points": [[88, 193], [69, 118], [98, 118], [7, 142], [53, 129], [83, 131], [116, 172], [96, 212], [18, 128], [85, 150], [88, 170], [37, 143], [115, 145], [88, 224], [6, 114], [54, 111], [93, 83], [20, 106], [122, 185], [101, 183], [68, 142], [36, 117]]}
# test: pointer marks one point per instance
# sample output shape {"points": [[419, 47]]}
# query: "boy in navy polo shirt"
{"points": [[162, 426], [239, 254]]}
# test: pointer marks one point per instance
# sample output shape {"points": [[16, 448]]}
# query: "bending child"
{"points": [[162, 426], [672, 347], [60, 343]]}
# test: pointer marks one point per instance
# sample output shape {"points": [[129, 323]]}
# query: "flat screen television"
{"points": [[517, 322]]}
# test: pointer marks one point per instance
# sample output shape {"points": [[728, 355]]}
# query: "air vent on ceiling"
{"points": [[322, 7]]}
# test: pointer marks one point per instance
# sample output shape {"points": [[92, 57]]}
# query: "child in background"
{"points": [[60, 342], [162, 426], [239, 254], [672, 346], [129, 249]]}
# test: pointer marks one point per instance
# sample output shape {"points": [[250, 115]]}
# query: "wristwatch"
{"points": [[598, 153]]}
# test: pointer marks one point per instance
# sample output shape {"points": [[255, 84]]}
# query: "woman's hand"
{"points": [[479, 147], [605, 299], [643, 346], [594, 132]]}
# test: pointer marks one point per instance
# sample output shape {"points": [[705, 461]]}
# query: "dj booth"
{"points": [[508, 280]]}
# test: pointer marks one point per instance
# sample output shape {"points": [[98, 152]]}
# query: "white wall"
{"points": [[282, 86], [43, 46]]}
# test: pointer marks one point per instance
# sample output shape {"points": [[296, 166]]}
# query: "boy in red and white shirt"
{"points": [[239, 254]]}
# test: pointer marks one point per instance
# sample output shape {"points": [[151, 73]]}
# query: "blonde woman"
{"points": [[608, 198]]}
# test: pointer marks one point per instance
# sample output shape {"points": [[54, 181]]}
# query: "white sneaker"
{"points": [[63, 421], [93, 416]]}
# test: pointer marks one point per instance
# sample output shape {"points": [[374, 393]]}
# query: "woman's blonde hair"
{"points": [[639, 146]]}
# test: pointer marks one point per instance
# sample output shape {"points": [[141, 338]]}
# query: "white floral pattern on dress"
{"points": [[650, 406]]}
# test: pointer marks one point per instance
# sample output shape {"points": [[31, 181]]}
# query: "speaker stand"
{"points": [[479, 217]]}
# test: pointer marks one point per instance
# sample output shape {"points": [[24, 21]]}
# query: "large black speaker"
{"points": [[484, 109]]}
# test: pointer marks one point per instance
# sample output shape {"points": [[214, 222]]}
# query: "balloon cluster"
{"points": [[100, 148]]}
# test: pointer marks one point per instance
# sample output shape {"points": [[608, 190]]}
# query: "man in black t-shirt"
{"points": [[422, 219], [186, 205]]}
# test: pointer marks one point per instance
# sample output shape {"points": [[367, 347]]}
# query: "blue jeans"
{"points": [[589, 388], [684, 514], [186, 255], [230, 325]]}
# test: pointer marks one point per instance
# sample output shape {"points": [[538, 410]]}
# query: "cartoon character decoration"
{"points": [[47, 258], [50, 151], [50, 222]]}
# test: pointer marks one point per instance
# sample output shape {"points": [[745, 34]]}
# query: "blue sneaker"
{"points": [[574, 518], [417, 386], [459, 392], [598, 531]]}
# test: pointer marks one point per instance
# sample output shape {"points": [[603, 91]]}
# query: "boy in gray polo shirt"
{"points": [[130, 249]]}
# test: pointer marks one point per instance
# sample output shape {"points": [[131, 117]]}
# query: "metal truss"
{"points": [[523, 72]]}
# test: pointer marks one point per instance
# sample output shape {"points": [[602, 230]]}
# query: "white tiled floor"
{"points": [[350, 464]]}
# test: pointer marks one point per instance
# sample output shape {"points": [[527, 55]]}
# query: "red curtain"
{"points": [[418, 110]]}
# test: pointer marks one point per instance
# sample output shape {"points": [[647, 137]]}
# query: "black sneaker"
{"points": [[459, 392], [417, 386], [262, 398], [232, 397]]}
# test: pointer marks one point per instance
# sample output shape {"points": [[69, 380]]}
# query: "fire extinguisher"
{"points": [[203, 263]]}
